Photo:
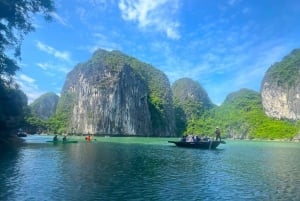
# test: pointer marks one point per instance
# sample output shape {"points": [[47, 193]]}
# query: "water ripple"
{"points": [[112, 171]]}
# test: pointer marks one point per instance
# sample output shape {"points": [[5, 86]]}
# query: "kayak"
{"points": [[62, 142]]}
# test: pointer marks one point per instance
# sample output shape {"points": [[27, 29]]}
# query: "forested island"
{"points": [[106, 95], [115, 94]]}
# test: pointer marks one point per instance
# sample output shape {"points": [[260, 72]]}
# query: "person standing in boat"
{"points": [[218, 134]]}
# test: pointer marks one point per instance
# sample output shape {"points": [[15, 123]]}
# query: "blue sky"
{"points": [[225, 45]]}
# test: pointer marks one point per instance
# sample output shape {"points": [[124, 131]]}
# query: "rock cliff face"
{"points": [[280, 89], [112, 94], [191, 96], [44, 107]]}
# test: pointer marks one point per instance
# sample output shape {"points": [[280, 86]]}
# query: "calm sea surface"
{"points": [[149, 169]]}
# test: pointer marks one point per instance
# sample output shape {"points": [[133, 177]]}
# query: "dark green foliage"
{"points": [[180, 119], [285, 73], [35, 125], [15, 23], [13, 105]]}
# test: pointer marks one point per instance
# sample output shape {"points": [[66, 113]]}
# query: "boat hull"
{"points": [[198, 145], [22, 135]]}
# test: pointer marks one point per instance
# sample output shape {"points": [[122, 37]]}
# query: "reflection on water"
{"points": [[155, 171]]}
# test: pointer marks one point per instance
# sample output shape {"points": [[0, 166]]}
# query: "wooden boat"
{"points": [[198, 145], [62, 142], [21, 134]]}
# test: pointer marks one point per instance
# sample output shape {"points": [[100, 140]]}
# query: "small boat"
{"points": [[21, 134], [198, 145], [62, 141]]}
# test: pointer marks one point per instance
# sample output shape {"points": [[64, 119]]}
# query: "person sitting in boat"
{"points": [[195, 138], [183, 138], [205, 138], [218, 134], [55, 138], [202, 136], [189, 138]]}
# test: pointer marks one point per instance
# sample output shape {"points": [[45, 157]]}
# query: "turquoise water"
{"points": [[149, 169]]}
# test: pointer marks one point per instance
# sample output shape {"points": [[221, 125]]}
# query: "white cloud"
{"points": [[53, 67], [231, 65], [26, 78], [232, 2], [29, 87], [171, 31], [105, 43], [246, 10], [152, 14], [59, 19], [91, 10], [256, 70], [101, 41], [65, 56], [81, 13], [100, 3]]}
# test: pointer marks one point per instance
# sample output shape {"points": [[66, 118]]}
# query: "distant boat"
{"points": [[21, 134], [198, 145]]}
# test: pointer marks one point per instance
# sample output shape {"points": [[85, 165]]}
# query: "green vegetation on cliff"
{"points": [[286, 72], [58, 123], [242, 116], [44, 106], [190, 101]]}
